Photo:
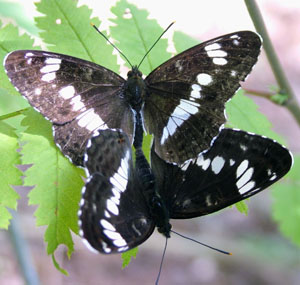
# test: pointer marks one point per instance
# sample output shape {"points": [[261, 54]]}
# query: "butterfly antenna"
{"points": [[104, 36], [155, 43], [161, 263], [216, 249]]}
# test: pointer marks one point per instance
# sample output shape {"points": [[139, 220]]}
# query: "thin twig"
{"points": [[12, 114], [284, 86], [22, 251], [267, 95]]}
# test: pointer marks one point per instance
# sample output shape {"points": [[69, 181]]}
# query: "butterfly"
{"points": [[122, 204], [180, 101]]}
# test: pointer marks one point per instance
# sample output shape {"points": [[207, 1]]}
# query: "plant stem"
{"points": [[266, 95], [22, 251], [13, 114], [285, 88]]}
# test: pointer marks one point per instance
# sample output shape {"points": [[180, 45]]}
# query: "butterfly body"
{"points": [[182, 100], [135, 89]]}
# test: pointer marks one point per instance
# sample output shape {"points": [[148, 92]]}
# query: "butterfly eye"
{"points": [[130, 73]]}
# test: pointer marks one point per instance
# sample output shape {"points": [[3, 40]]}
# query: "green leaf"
{"points": [[182, 41], [9, 174], [242, 207], [56, 264], [286, 206], [128, 255], [11, 109], [136, 33], [57, 183], [17, 12], [147, 142], [243, 113], [66, 29], [11, 40]]}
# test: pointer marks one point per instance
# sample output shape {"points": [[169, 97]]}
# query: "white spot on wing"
{"points": [[107, 225], [77, 104], [50, 68], [116, 193], [212, 46], [242, 167], [245, 178], [120, 178], [181, 113], [217, 164], [105, 247], [48, 77], [233, 73], [247, 187], [91, 121], [119, 242], [208, 200], [204, 163], [52, 60], [204, 79], [112, 207], [236, 42], [67, 92], [231, 162], [195, 93], [123, 248], [219, 61], [217, 53], [37, 91], [243, 147], [115, 200], [28, 54], [178, 65], [112, 234], [185, 165]]}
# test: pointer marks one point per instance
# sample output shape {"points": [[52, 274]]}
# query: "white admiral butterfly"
{"points": [[180, 101], [121, 204]]}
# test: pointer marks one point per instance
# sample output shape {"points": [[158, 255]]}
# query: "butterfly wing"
{"points": [[187, 94], [77, 96], [236, 166], [113, 215]]}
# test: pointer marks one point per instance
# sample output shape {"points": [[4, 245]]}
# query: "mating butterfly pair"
{"points": [[182, 104]]}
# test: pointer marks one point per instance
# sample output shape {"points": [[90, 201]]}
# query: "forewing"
{"points": [[187, 94], [237, 166], [113, 216], [77, 96]]}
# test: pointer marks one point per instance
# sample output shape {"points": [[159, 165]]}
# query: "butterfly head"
{"points": [[134, 73], [135, 89]]}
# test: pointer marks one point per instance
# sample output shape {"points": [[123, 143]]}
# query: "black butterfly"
{"points": [[121, 205], [180, 101]]}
